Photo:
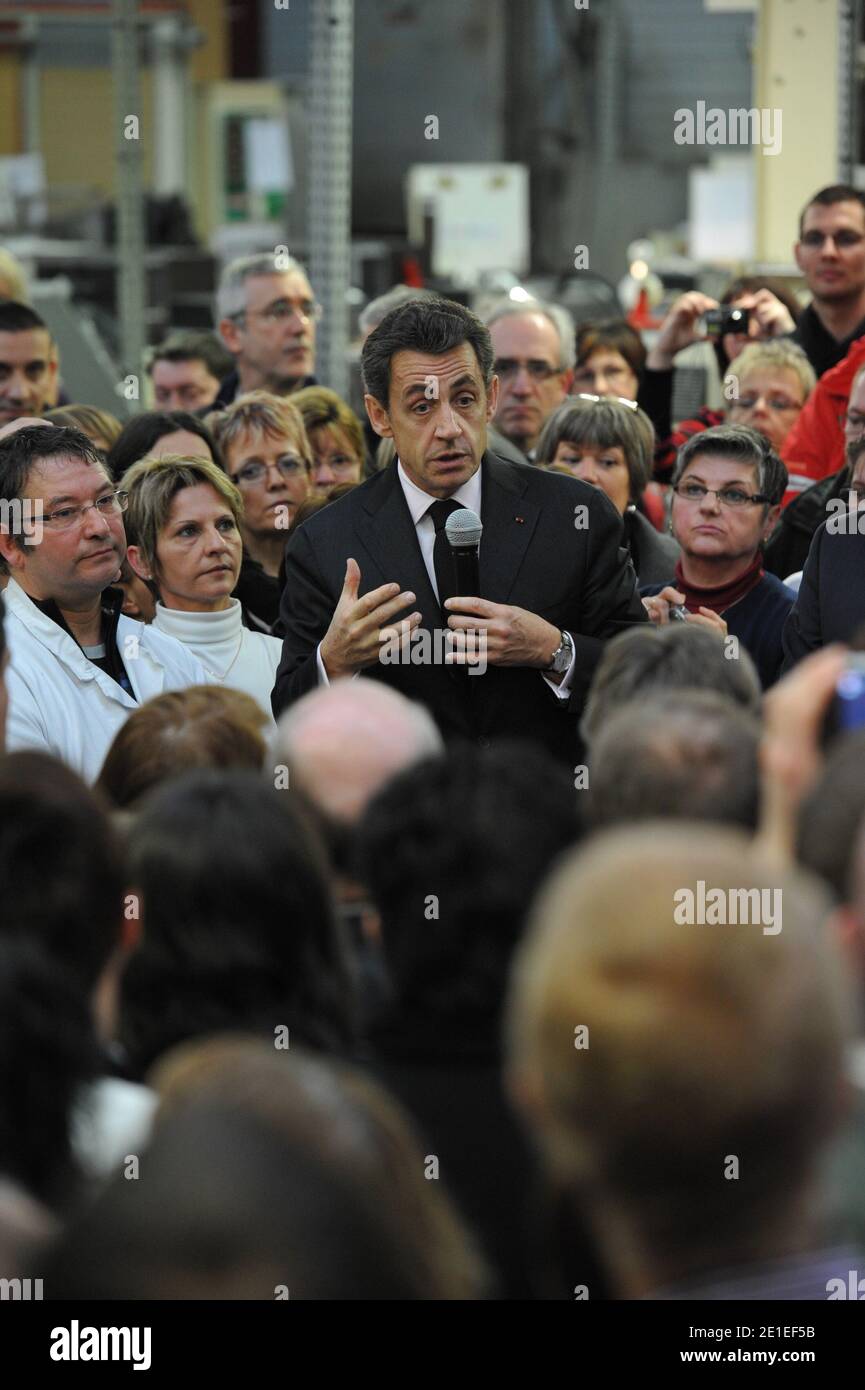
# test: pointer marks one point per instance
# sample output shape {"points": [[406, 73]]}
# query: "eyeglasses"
{"points": [[777, 403], [253, 472], [506, 367], [596, 400], [283, 309], [339, 462], [729, 496], [814, 240], [64, 518]]}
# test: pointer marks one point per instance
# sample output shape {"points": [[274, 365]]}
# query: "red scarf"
{"points": [[722, 596]]}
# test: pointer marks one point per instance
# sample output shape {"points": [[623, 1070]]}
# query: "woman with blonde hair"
{"points": [[336, 436], [101, 427], [183, 533]]}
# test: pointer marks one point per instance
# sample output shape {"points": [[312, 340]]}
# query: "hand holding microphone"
{"points": [[509, 636]]}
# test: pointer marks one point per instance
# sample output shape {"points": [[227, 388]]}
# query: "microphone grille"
{"points": [[463, 527]]}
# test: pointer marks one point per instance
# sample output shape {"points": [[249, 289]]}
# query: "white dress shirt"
{"points": [[419, 503]]}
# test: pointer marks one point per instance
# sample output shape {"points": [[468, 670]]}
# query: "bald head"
{"points": [[21, 424], [343, 742]]}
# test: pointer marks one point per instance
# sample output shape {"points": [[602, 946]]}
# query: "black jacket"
{"points": [[830, 606], [259, 594], [820, 347], [229, 389], [653, 555], [535, 554], [788, 546], [448, 1076]]}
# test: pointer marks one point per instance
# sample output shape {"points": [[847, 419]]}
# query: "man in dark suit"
{"points": [[554, 578], [830, 605]]}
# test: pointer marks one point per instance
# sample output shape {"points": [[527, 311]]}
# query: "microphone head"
{"points": [[463, 528]]}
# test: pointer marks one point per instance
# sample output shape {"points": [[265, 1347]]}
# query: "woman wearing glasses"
{"points": [[335, 435], [727, 488], [267, 456], [609, 443], [183, 533]]}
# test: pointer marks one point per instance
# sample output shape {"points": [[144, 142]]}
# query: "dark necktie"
{"points": [[442, 558]]}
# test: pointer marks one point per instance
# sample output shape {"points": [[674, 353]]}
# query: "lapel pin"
{"points": [[520, 519]]}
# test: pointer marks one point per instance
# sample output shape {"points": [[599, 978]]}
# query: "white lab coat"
{"points": [[61, 703]]}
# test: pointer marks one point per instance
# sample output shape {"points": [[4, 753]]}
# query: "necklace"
{"points": [[222, 678]]}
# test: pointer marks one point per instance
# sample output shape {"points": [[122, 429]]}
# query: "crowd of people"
{"points": [[364, 937]]}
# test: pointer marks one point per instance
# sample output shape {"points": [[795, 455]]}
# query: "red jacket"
{"points": [[814, 448]]}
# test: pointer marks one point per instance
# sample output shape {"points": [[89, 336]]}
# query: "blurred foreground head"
{"points": [[342, 742], [651, 660], [453, 851], [201, 726], [238, 924], [682, 754], [270, 1175], [682, 1077]]}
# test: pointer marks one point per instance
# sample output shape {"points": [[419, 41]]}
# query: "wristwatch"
{"points": [[562, 656]]}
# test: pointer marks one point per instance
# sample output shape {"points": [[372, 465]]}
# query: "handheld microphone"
{"points": [[463, 530]]}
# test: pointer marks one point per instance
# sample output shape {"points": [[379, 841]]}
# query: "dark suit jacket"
{"points": [[830, 605], [532, 556]]}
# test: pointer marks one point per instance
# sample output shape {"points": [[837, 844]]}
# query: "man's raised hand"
{"points": [[353, 640]]}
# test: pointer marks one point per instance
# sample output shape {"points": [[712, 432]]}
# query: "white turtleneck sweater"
{"points": [[230, 653]]}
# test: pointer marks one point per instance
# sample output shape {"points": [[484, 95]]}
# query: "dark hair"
{"points": [[832, 812], [453, 850], [746, 446], [47, 1054], [239, 928], [750, 284], [139, 435], [686, 755], [2, 643], [618, 336], [191, 346], [227, 1207], [199, 726], [678, 657], [19, 318], [603, 424], [349, 1118], [433, 326], [23, 448], [827, 197], [61, 865]]}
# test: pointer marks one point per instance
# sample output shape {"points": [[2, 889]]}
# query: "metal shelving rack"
{"points": [[330, 145]]}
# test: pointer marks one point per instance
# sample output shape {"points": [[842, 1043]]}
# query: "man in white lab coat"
{"points": [[77, 666]]}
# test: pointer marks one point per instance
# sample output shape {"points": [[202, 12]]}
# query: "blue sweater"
{"points": [[758, 621]]}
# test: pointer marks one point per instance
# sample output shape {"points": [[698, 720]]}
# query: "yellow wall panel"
{"points": [[78, 138], [11, 135], [796, 72]]}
